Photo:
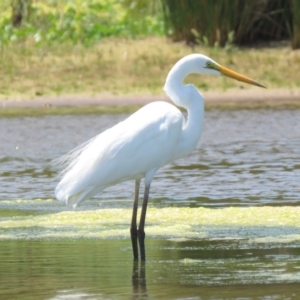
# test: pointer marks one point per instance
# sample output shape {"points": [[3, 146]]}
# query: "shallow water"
{"points": [[244, 158], [222, 223], [103, 269]]}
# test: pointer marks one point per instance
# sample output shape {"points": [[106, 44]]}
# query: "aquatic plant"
{"points": [[251, 21]]}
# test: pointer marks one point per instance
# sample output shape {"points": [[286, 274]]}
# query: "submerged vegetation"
{"points": [[272, 224]]}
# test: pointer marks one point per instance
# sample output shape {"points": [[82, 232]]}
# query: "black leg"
{"points": [[133, 228], [141, 231]]}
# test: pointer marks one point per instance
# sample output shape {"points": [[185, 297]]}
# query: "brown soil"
{"points": [[243, 97]]}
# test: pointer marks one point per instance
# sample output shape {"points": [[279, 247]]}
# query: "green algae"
{"points": [[258, 224]]}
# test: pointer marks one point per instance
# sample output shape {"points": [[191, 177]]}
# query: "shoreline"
{"points": [[276, 96]]}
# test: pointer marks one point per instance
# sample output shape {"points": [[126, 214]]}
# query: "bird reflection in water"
{"points": [[139, 289]]}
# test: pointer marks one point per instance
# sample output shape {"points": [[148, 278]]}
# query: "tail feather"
{"points": [[73, 201]]}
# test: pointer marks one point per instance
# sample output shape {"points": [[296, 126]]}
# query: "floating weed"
{"points": [[255, 224]]}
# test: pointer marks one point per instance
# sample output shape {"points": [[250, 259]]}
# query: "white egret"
{"points": [[136, 148]]}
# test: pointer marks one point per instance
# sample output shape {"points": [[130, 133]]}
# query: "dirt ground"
{"points": [[243, 97]]}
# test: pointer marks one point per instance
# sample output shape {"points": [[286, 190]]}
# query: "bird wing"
{"points": [[144, 141]]}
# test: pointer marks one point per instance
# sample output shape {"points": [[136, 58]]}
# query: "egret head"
{"points": [[201, 64], [197, 64], [211, 67]]}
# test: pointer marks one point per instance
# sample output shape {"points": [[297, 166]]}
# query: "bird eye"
{"points": [[209, 64]]}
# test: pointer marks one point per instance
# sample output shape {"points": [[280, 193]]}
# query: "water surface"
{"points": [[222, 223], [244, 158]]}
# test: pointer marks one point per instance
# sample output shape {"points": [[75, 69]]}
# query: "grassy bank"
{"points": [[133, 67]]}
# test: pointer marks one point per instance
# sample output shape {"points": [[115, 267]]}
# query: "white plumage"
{"points": [[137, 147], [123, 153]]}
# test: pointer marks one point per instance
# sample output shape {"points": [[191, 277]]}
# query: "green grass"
{"points": [[78, 22], [107, 47], [118, 66]]}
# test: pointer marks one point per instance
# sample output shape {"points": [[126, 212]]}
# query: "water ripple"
{"points": [[244, 158]]}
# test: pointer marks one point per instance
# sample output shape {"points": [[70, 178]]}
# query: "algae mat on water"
{"points": [[256, 224]]}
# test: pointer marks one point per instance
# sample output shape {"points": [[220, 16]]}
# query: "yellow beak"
{"points": [[229, 73]]}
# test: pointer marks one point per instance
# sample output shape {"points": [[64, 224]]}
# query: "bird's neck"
{"points": [[192, 129], [174, 86], [188, 97]]}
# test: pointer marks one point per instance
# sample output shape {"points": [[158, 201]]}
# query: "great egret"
{"points": [[136, 148]]}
